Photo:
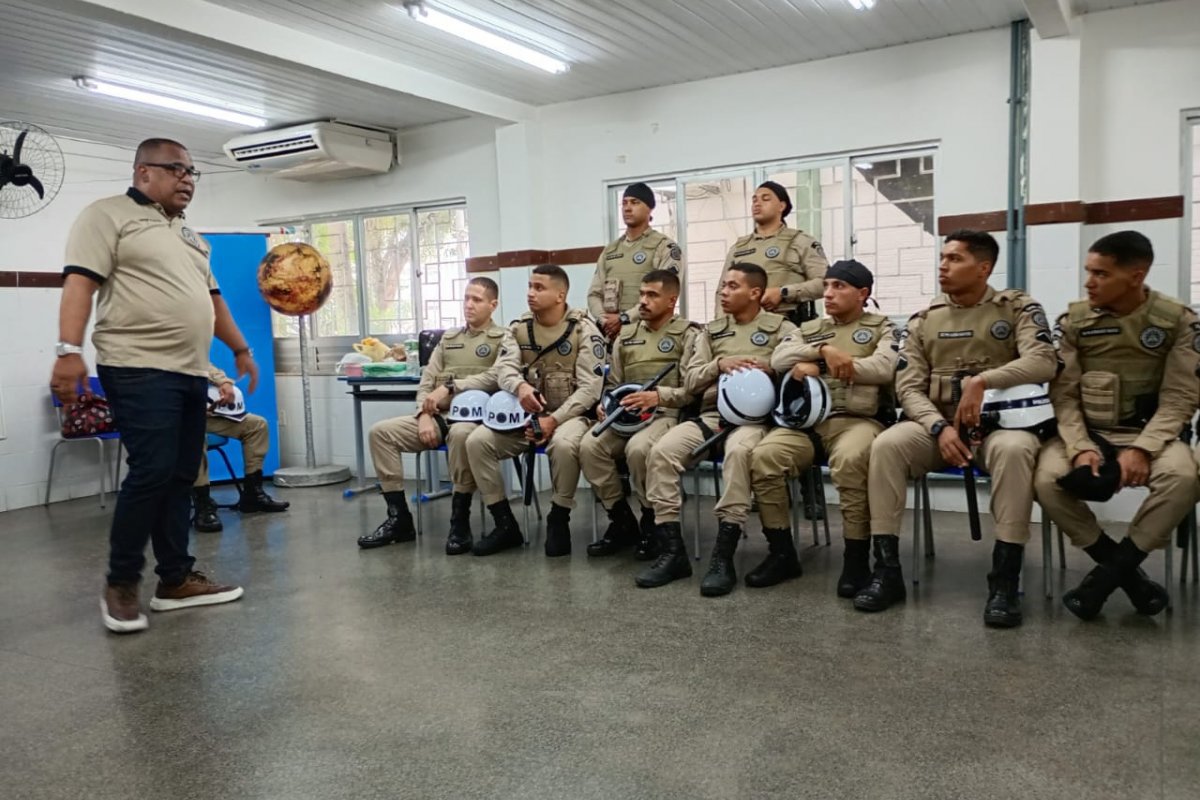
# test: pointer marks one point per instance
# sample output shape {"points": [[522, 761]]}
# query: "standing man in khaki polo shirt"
{"points": [[614, 295], [158, 307]]}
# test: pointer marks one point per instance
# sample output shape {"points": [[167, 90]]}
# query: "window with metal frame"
{"points": [[395, 272], [878, 207]]}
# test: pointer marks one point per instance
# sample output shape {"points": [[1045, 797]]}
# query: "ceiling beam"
{"points": [[1051, 18], [278, 41]]}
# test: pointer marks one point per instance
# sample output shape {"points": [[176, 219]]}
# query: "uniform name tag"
{"points": [[1099, 332], [629, 342], [454, 346], [740, 253], [530, 347], [955, 334], [723, 335], [611, 256], [820, 337]]}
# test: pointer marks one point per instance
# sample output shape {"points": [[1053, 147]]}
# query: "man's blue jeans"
{"points": [[161, 417]]}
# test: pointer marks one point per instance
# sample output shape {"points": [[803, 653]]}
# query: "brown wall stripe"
{"points": [[31, 280], [529, 258], [1103, 213]]}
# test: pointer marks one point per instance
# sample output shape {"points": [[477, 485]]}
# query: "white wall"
{"points": [[30, 329]]}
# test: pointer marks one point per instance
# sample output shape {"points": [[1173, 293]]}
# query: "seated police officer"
{"points": [[1128, 386], [851, 356], [556, 376], [742, 340], [463, 360], [970, 338], [658, 339], [227, 416]]}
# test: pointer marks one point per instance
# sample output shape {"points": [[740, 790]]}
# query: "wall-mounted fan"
{"points": [[31, 169]]}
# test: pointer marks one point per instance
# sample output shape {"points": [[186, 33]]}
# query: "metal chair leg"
{"points": [[103, 469], [1047, 555], [1062, 551], [927, 511], [696, 505], [50, 476], [916, 545], [793, 494], [812, 493], [820, 479], [417, 498], [1169, 569], [1194, 545]]}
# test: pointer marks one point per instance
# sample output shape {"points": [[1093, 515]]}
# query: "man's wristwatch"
{"points": [[783, 293], [937, 428], [67, 349], [624, 318], [449, 384], [248, 351]]}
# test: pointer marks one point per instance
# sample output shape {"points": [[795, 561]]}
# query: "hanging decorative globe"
{"points": [[294, 279]]}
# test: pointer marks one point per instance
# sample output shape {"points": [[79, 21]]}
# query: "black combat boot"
{"points": [[647, 546], [672, 562], [722, 577], [1086, 600], [506, 534], [856, 568], [1148, 597], [255, 498], [887, 582], [814, 506], [205, 519], [558, 532], [398, 527], [622, 531], [460, 540], [781, 563], [1003, 609]]}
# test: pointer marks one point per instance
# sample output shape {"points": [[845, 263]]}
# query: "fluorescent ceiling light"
{"points": [[861, 5], [172, 103], [465, 30]]}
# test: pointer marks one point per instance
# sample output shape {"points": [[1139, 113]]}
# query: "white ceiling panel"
{"points": [[58, 40]]}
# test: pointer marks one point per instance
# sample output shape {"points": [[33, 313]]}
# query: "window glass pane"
{"points": [[389, 273], [718, 212], [892, 225], [444, 246], [1195, 199], [339, 315], [282, 326], [817, 204]]}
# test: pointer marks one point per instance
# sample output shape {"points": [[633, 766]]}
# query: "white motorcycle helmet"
{"points": [[628, 423], [504, 413], [803, 403], [1023, 407], [745, 397], [235, 412], [470, 406]]}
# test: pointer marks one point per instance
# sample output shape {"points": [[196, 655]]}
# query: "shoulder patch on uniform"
{"points": [[639, 257], [772, 252], [759, 338], [598, 369], [675, 252], [817, 246], [862, 336], [597, 350], [1001, 329], [564, 347], [1152, 337], [666, 345]]}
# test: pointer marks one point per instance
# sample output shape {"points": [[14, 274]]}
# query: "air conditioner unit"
{"points": [[318, 151]]}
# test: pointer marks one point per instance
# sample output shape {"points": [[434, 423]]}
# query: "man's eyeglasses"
{"points": [[178, 169]]}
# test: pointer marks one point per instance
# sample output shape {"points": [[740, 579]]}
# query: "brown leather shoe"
{"points": [[121, 610], [196, 590]]}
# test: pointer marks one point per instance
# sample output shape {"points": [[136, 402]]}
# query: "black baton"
{"points": [[710, 442], [610, 417]]}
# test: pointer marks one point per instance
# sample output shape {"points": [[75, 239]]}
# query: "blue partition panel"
{"points": [[235, 259]]}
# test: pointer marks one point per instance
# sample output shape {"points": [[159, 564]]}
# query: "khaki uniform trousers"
{"points": [[391, 437], [251, 431], [906, 451], [486, 449], [1172, 487], [673, 454], [786, 453], [598, 456]]}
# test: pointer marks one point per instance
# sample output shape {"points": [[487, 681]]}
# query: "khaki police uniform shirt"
{"points": [[802, 254], [435, 370], [1177, 397], [217, 376], [589, 366], [703, 371], [621, 253], [154, 307], [668, 396], [1035, 362], [877, 369]]}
